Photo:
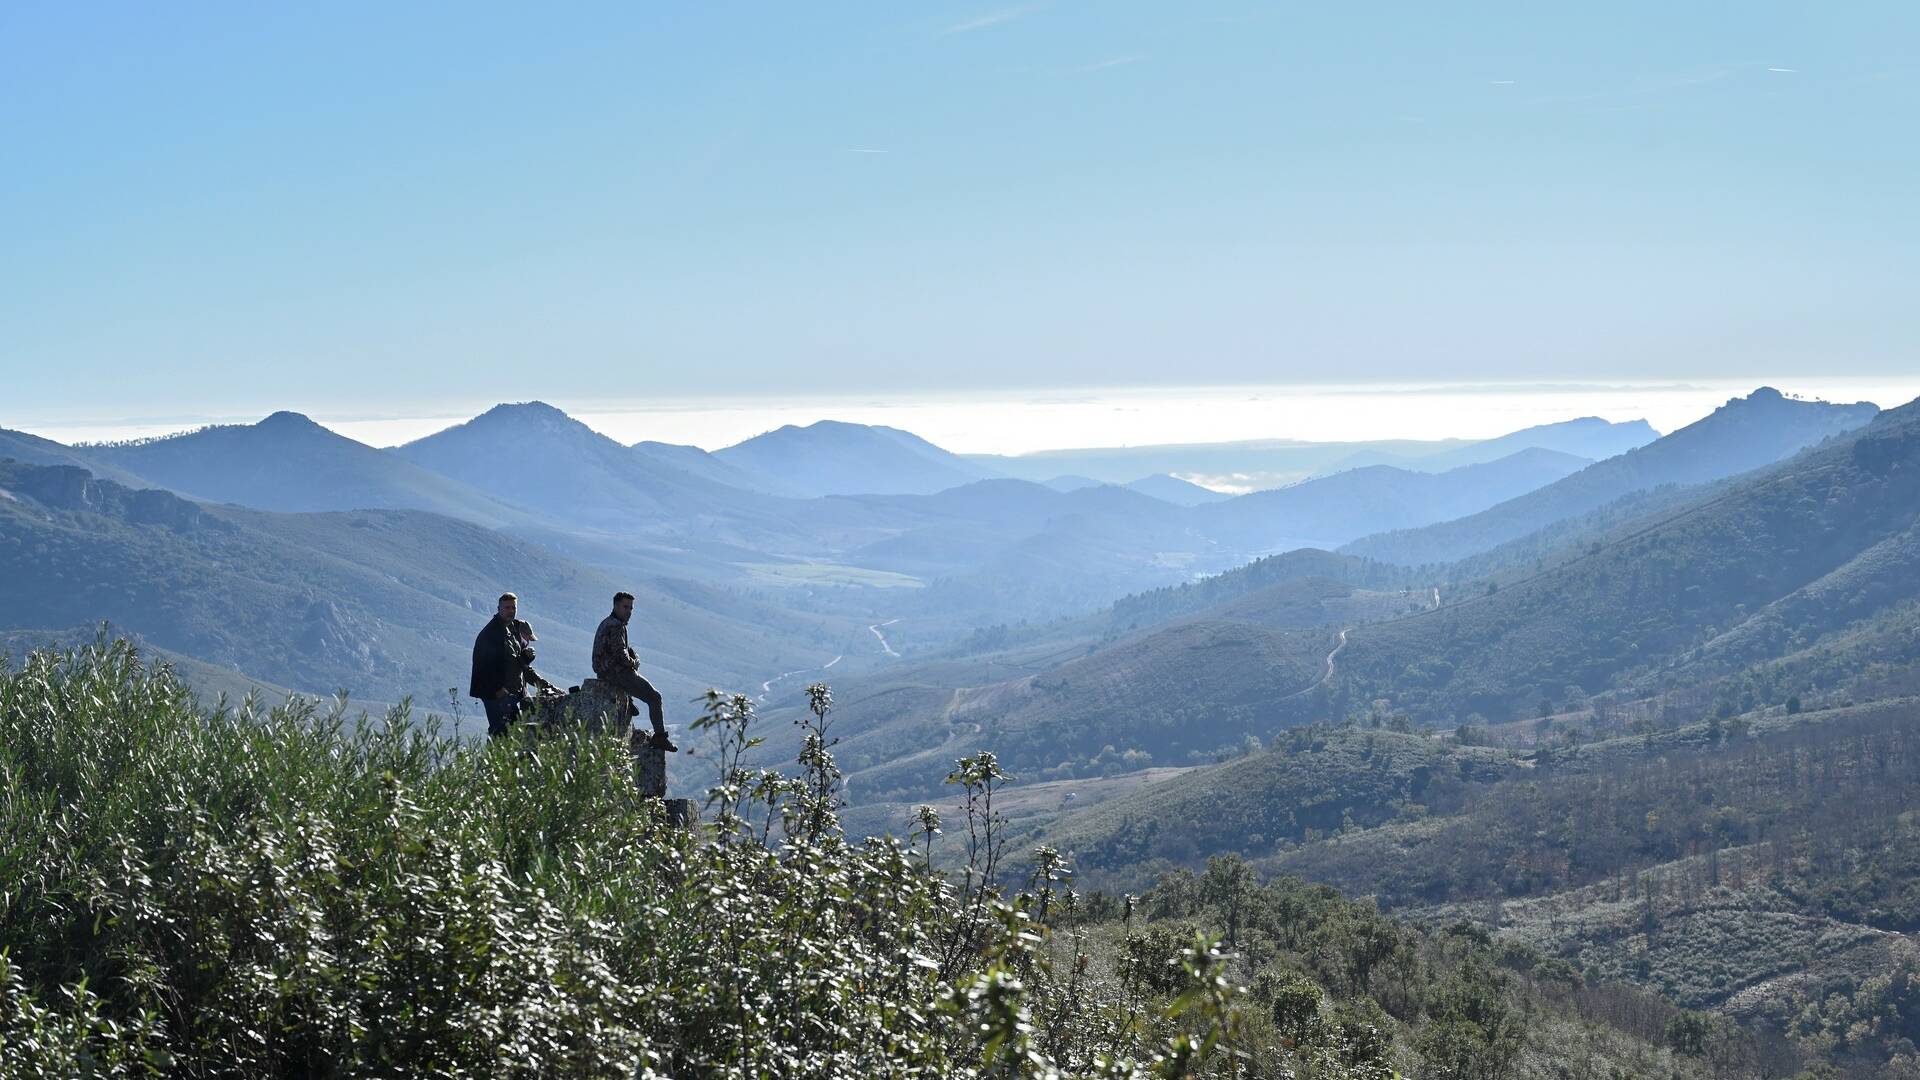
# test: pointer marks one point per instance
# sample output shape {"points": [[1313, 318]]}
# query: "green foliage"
{"points": [[1193, 598], [1313, 782], [282, 893]]}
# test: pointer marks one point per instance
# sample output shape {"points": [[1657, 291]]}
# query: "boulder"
{"points": [[598, 706], [603, 708]]}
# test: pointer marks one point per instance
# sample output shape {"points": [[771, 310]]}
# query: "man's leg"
{"points": [[637, 685], [501, 713]]}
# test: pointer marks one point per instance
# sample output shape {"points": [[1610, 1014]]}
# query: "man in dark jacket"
{"points": [[501, 663], [615, 663]]}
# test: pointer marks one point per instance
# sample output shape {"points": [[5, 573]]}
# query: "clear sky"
{"points": [[212, 209]]}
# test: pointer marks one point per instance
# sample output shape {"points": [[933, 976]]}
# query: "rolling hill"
{"points": [[834, 458], [34, 450], [1172, 694], [1176, 491]]}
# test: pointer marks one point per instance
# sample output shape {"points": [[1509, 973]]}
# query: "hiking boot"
{"points": [[659, 741]]}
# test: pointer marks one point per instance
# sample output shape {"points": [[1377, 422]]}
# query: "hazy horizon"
{"points": [[1083, 418]]}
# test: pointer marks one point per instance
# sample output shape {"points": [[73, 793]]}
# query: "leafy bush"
{"points": [[248, 892]]}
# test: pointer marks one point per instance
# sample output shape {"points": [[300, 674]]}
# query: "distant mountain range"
{"points": [[1799, 548], [705, 528], [1331, 510], [1271, 463], [1587, 437], [287, 462], [1743, 434]]}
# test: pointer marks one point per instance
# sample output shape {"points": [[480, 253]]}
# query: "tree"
{"points": [[1224, 886], [1294, 1002], [1474, 1034]]}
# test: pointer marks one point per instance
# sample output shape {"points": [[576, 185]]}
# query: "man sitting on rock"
{"points": [[502, 666], [616, 664]]}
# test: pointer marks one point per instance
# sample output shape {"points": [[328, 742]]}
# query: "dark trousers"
{"points": [[636, 684], [501, 713]]}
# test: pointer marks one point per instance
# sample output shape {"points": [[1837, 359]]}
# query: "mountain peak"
{"points": [[838, 457], [524, 410], [531, 418], [287, 420]]}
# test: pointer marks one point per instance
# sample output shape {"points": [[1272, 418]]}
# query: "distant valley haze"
{"points": [[1026, 422]]}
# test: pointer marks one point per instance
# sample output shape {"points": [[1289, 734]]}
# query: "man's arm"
{"points": [[483, 682]]}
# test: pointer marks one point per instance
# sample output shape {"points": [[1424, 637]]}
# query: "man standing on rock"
{"points": [[502, 664], [615, 663]]}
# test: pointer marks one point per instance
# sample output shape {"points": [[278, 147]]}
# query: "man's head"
{"points": [[623, 606], [509, 608]]}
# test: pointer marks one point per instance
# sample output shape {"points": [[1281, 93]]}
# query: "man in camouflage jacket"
{"points": [[616, 664]]}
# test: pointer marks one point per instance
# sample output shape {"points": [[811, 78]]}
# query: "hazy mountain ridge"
{"points": [[534, 456], [1328, 511], [1270, 463], [1588, 437], [986, 553], [1177, 491], [1744, 434], [288, 463], [830, 457], [1645, 599], [34, 450]]}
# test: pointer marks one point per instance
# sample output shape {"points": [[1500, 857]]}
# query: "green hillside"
{"points": [[383, 603], [1761, 866], [1826, 536], [1307, 785], [1192, 598]]}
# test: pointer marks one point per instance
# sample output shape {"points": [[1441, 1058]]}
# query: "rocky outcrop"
{"points": [[603, 708]]}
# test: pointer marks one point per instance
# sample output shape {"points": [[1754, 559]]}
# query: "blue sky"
{"points": [[210, 209]]}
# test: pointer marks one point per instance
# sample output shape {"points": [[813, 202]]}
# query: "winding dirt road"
{"points": [[1328, 674], [766, 688], [875, 631]]}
